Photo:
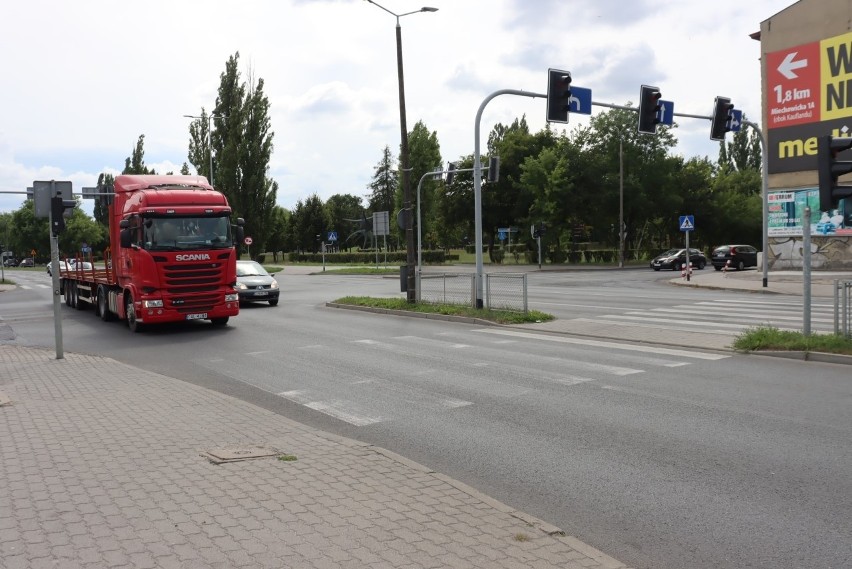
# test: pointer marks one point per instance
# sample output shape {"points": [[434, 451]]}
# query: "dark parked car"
{"points": [[675, 259], [10, 262], [254, 284], [734, 256]]}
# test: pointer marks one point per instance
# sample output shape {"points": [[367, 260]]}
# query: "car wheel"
{"points": [[220, 321], [740, 266], [656, 268], [701, 265], [273, 302], [717, 267], [677, 266]]}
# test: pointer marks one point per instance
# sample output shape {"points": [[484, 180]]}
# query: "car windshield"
{"points": [[250, 269], [672, 252], [185, 233]]}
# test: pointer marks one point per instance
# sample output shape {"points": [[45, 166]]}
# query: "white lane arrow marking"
{"points": [[788, 66]]}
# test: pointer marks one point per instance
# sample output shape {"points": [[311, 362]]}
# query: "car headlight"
{"points": [[274, 284], [152, 303], [242, 286]]}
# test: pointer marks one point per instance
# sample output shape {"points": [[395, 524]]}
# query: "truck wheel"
{"points": [[67, 291], [103, 305], [134, 325], [219, 321]]}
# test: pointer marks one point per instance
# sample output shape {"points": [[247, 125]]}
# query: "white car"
{"points": [[70, 264]]}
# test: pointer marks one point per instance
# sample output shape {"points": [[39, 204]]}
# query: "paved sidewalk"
{"points": [[106, 465]]}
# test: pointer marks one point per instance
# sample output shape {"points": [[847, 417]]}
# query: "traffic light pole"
{"points": [[54, 276], [765, 189], [477, 185]]}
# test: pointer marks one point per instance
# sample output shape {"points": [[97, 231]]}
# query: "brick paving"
{"points": [[104, 465]]}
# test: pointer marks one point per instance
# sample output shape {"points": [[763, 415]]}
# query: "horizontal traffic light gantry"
{"points": [[830, 169], [649, 109]]}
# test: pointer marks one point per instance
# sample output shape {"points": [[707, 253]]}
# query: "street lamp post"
{"points": [[209, 137], [404, 158]]}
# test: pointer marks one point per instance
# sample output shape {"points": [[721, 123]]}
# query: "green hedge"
{"points": [[367, 258]]}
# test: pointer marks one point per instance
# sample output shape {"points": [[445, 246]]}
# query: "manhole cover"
{"points": [[233, 454]]}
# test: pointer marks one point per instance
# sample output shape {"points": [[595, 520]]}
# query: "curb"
{"points": [[410, 314], [821, 357]]}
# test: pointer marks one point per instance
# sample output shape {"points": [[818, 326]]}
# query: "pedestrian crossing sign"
{"points": [[687, 223]]}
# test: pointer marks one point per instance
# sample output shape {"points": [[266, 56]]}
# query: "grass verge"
{"points": [[498, 316], [770, 338]]}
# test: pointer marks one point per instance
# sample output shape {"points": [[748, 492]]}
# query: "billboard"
{"points": [[787, 213], [808, 94]]}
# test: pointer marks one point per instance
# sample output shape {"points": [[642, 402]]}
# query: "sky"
{"points": [[82, 80]]}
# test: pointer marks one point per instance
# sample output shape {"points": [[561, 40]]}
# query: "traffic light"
{"points": [[540, 230], [493, 169], [57, 213], [830, 168], [558, 95], [723, 111], [649, 108], [451, 172]]}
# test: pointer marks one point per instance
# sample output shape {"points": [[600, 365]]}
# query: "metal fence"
{"points": [[446, 288], [504, 291], [843, 307]]}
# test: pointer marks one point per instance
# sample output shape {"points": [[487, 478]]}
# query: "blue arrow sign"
{"points": [[580, 101], [736, 120], [332, 235], [666, 113], [687, 223], [501, 235]]}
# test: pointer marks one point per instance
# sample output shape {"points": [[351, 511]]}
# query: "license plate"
{"points": [[199, 316], [260, 293]]}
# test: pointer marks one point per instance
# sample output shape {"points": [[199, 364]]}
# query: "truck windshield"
{"points": [[186, 233]]}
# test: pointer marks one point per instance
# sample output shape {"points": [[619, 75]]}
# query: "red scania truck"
{"points": [[172, 255]]}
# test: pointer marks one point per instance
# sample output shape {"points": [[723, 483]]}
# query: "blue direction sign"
{"points": [[666, 113], [332, 236], [687, 223], [736, 120], [580, 101]]}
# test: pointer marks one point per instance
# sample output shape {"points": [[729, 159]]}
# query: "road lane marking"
{"points": [[604, 344], [337, 409]]}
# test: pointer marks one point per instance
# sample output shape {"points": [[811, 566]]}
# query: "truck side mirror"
{"points": [[240, 231]]}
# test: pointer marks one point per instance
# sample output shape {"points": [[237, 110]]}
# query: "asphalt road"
{"points": [[659, 457]]}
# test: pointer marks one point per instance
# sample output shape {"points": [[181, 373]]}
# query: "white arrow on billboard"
{"points": [[788, 67]]}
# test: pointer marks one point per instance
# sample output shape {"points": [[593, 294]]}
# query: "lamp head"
{"points": [[428, 9]]}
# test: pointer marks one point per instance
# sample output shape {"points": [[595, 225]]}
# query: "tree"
{"points": [[742, 153], [424, 156], [384, 183], [135, 163], [309, 224], [106, 182], [278, 237], [339, 208], [242, 148]]}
